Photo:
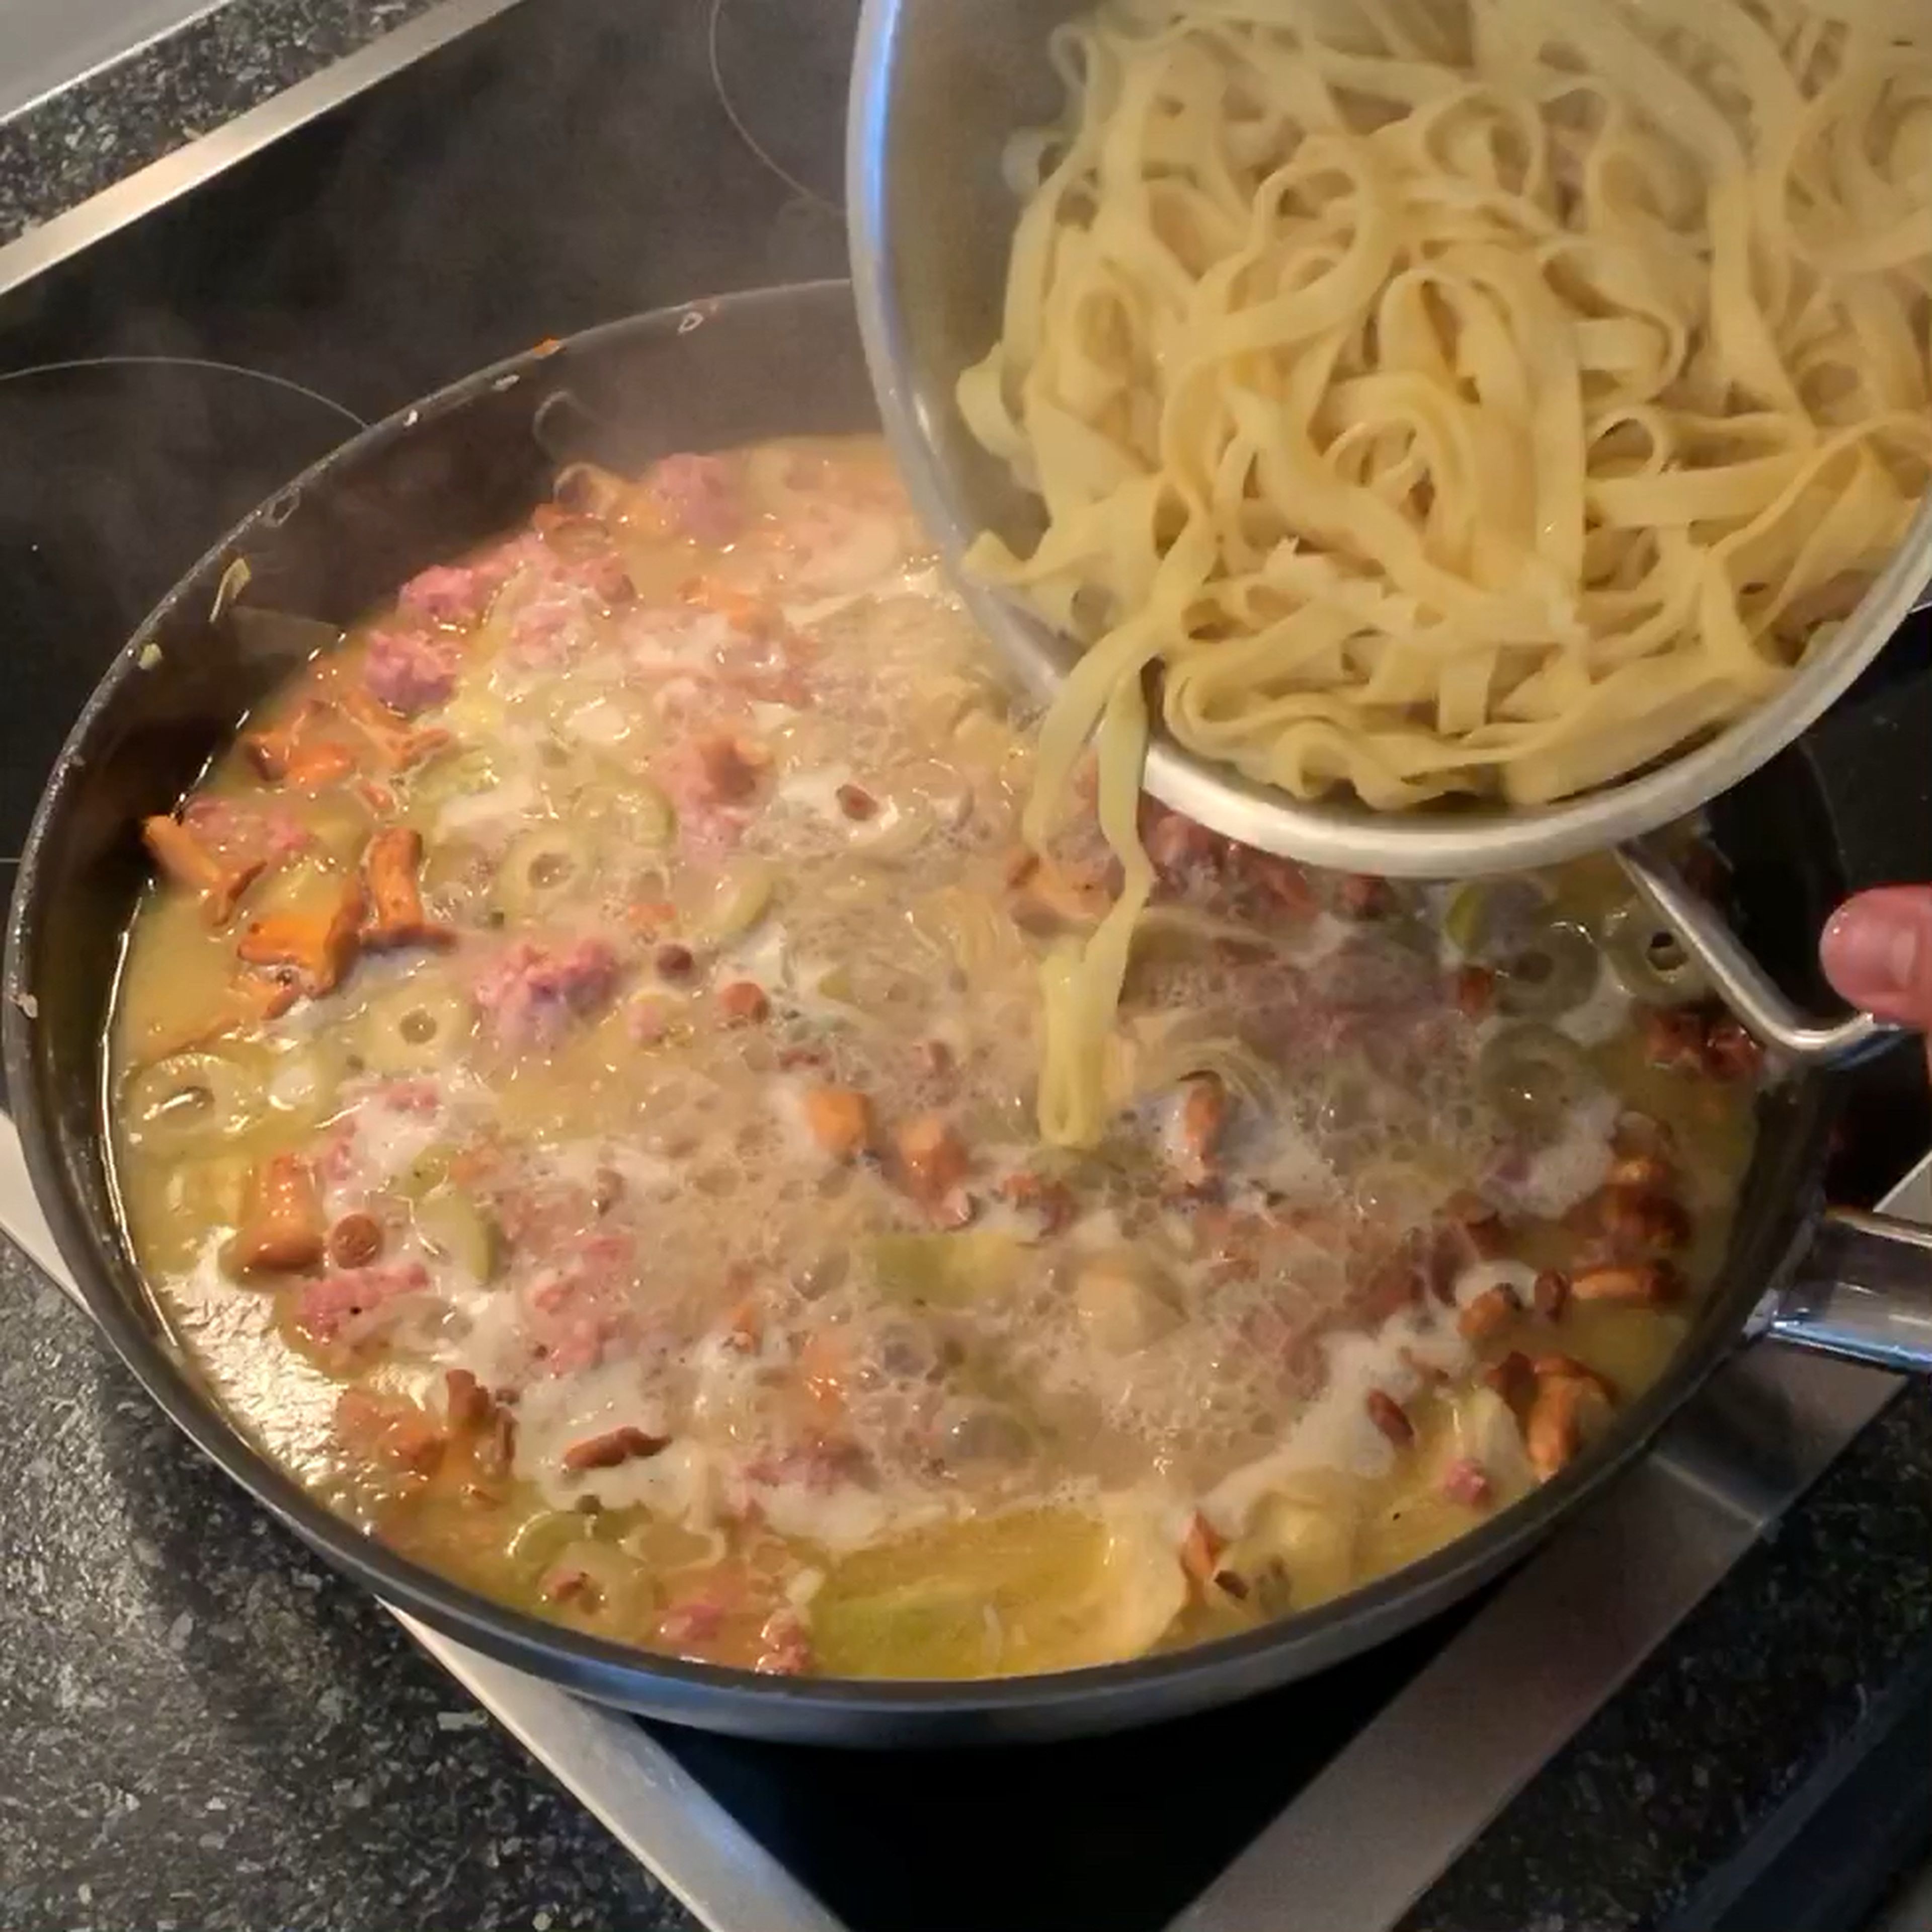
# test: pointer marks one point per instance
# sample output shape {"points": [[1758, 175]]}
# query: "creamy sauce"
{"points": [[647, 1223]]}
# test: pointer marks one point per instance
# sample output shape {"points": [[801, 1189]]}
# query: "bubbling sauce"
{"points": [[573, 1096]]}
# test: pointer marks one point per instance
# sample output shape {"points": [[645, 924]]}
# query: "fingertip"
{"points": [[1876, 951]]}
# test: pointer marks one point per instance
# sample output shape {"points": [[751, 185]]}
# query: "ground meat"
{"points": [[244, 834], [1267, 885], [581, 1306], [726, 1614], [544, 1216], [413, 1094], [335, 1155], [713, 777], [603, 577], [1183, 851], [550, 628], [532, 992], [709, 838], [820, 1463], [1372, 975], [341, 1307], [1358, 896], [698, 497], [459, 593], [447, 593], [695, 1620], [410, 670], [1466, 1481], [771, 669], [713, 768], [1233, 880], [650, 1021]]}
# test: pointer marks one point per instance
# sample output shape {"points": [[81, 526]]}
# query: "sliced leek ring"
{"points": [[192, 1103], [545, 867], [419, 1023]]}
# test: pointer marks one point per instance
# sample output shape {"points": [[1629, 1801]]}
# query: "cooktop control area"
{"points": [[560, 165]]}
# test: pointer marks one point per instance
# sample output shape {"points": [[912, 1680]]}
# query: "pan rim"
{"points": [[842, 1710]]}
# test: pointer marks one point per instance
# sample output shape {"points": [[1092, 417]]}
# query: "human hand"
{"points": [[1877, 952]]}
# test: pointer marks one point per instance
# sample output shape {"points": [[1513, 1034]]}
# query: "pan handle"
{"points": [[1861, 1291], [1740, 981]]}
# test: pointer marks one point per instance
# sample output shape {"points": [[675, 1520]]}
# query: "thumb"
{"points": [[1877, 952]]}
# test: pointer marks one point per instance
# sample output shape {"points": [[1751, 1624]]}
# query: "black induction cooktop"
{"points": [[561, 165]]}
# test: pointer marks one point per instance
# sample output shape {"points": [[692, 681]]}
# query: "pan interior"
{"points": [[470, 466]]}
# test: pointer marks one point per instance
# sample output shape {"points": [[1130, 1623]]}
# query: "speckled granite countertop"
{"points": [[202, 1728], [1770, 1675], [86, 137]]}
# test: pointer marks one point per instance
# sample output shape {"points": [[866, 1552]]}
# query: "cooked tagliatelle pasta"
{"points": [[1489, 396]]}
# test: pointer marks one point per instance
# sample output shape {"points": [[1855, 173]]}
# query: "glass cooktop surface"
{"points": [[558, 166]]}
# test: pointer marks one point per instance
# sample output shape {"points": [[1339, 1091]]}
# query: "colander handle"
{"points": [[1739, 980]]}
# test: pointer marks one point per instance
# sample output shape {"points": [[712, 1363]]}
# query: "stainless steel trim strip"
{"points": [[66, 234], [20, 1215], [655, 1809], [1443, 1756], [1862, 1291], [84, 45]]}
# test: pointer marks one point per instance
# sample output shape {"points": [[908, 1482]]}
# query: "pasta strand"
{"points": [[1486, 398]]}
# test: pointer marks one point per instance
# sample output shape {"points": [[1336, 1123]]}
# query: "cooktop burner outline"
{"points": [[141, 456], [76, 365], [780, 14]]}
